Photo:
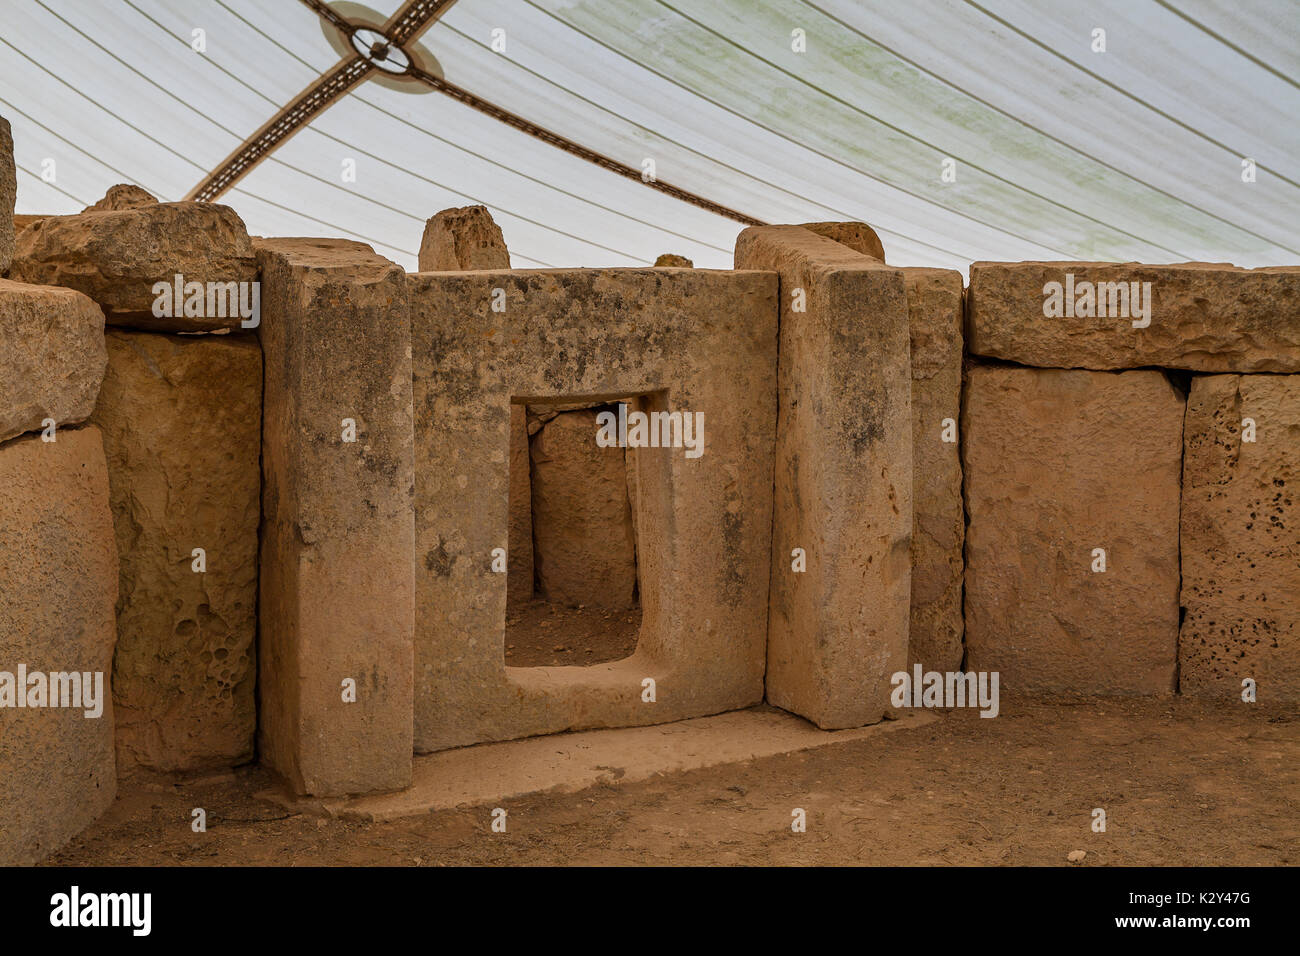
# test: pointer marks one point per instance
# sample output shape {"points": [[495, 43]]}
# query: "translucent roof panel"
{"points": [[960, 129]]}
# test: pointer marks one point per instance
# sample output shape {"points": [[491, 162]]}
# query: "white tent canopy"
{"points": [[1059, 151]]}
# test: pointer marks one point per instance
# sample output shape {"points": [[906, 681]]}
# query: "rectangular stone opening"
{"points": [[574, 574]]}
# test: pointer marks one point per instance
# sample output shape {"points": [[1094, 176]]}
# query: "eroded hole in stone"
{"points": [[573, 595]]}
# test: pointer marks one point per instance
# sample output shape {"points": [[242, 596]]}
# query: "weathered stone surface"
{"points": [[8, 194], [117, 256], [708, 345], [123, 196], [460, 239], [672, 260], [1207, 317], [1059, 463], [1241, 538], [337, 573], [23, 220], [181, 418], [934, 305], [58, 583], [839, 629], [51, 356], [519, 567], [858, 236], [582, 518]]}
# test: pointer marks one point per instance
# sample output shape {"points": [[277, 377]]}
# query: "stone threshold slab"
{"points": [[567, 763]]}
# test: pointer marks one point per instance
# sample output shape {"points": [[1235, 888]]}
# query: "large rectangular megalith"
{"points": [[1072, 490], [337, 580], [1241, 538], [842, 526]]}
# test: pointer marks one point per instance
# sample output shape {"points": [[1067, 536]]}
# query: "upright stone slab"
{"points": [[8, 194], [52, 357], [519, 553], [337, 579], [1241, 538], [934, 305], [838, 630], [1059, 465], [692, 341], [1203, 316], [582, 516], [181, 418], [58, 584], [118, 256]]}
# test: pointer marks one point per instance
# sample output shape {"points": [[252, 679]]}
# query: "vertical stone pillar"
{"points": [[337, 573], [838, 630]]}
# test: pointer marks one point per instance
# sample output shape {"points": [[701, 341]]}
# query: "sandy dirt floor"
{"points": [[1182, 783], [591, 635]]}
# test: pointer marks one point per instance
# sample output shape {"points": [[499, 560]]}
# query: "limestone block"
{"points": [[1241, 538], [337, 574], [582, 517], [123, 196], [1206, 317], [460, 239], [117, 256], [519, 553], [858, 236], [934, 305], [58, 584], [839, 629], [8, 194], [181, 418], [51, 356], [672, 260], [692, 341], [1059, 463]]}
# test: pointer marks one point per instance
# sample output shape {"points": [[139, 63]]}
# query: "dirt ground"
{"points": [[591, 635], [1182, 783]]}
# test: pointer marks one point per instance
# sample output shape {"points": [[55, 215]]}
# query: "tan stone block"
{"points": [[839, 630], [58, 584], [181, 418], [1059, 463], [1241, 538], [708, 345], [1206, 317], [858, 236], [519, 553], [51, 356], [462, 239], [337, 575], [123, 196], [582, 517], [118, 255], [672, 260], [8, 194], [934, 305]]}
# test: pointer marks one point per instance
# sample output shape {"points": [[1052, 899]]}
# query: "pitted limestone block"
{"points": [[519, 553], [838, 630], [1202, 316], [117, 256], [934, 305], [582, 517], [858, 236], [181, 418], [8, 193], [52, 356], [672, 260], [58, 584], [695, 341], [123, 196], [1059, 466], [462, 239], [337, 573], [1241, 538]]}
